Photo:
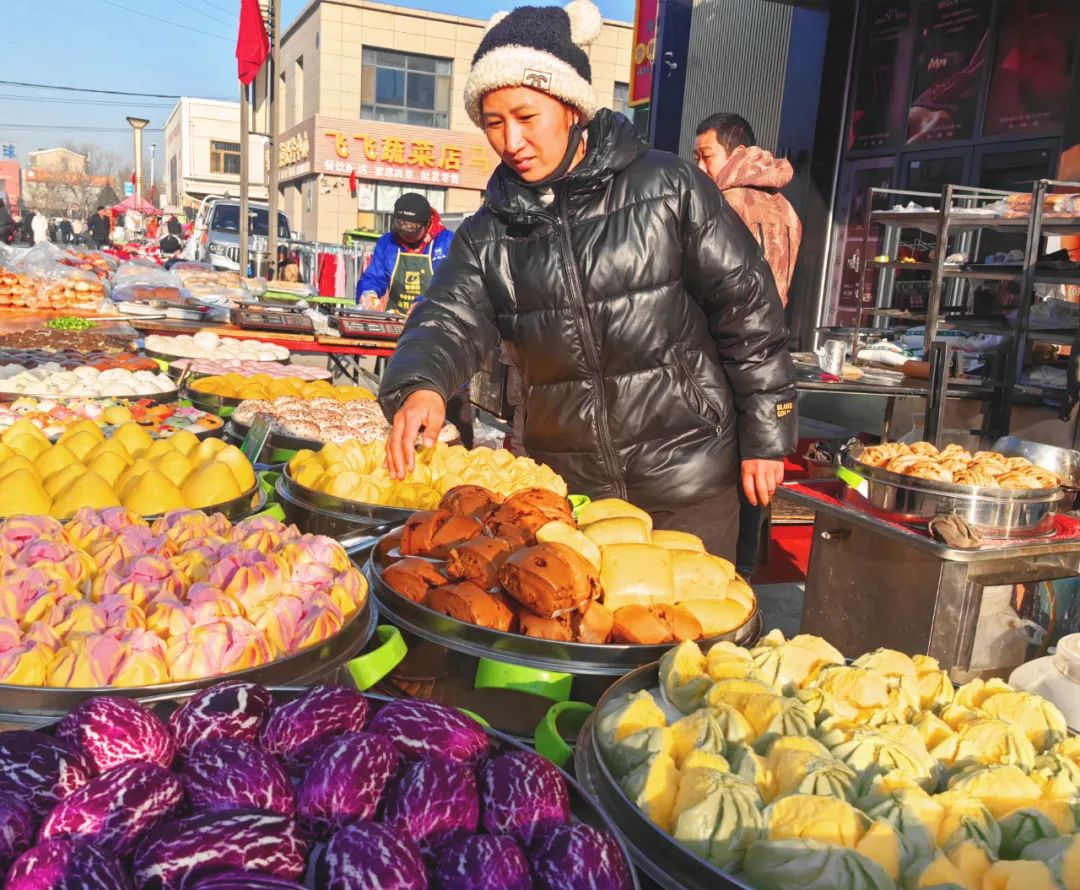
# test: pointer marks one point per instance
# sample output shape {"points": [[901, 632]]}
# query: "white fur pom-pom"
{"points": [[585, 21], [494, 20]]}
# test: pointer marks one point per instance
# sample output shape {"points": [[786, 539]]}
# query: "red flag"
{"points": [[352, 182], [252, 43], [134, 181]]}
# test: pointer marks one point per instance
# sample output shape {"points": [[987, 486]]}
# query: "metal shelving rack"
{"points": [[1040, 225], [961, 215]]}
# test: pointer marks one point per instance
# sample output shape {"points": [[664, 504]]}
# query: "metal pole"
{"points": [[153, 153], [244, 177], [940, 360], [137, 124], [272, 124]]}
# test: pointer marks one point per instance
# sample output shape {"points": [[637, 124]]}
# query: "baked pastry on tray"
{"points": [[955, 464]]}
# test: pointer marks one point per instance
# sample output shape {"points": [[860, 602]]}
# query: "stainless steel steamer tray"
{"points": [[996, 512], [358, 509], [210, 403], [25, 703], [658, 854], [239, 507], [608, 659], [238, 432], [157, 398]]}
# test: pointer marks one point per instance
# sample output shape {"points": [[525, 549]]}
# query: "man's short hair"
{"points": [[732, 130], [101, 207]]}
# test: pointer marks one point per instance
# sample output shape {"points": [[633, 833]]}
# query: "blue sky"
{"points": [[105, 45]]}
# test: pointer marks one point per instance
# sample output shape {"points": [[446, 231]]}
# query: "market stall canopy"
{"points": [[130, 203]]}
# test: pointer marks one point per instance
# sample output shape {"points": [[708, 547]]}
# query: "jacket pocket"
{"points": [[709, 408]]}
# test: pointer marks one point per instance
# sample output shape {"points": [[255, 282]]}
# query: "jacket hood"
{"points": [[612, 144], [754, 167]]}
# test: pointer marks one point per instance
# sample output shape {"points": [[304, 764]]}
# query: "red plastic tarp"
{"points": [[129, 203]]}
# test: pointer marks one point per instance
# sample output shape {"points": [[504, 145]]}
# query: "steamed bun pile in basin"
{"points": [[129, 468], [791, 769], [111, 600]]}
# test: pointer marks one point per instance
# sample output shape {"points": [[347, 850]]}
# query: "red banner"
{"points": [[644, 52]]}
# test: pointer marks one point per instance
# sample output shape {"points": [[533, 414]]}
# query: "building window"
{"points": [[405, 89], [298, 92], [283, 104], [620, 99], [225, 158]]}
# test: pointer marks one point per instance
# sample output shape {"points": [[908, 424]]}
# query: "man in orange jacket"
{"points": [[750, 178]]}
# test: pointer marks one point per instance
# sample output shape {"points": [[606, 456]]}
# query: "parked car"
{"points": [[217, 232]]}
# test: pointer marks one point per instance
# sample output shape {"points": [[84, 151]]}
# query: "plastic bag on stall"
{"points": [[191, 266], [10, 256], [43, 260], [141, 271], [141, 281]]}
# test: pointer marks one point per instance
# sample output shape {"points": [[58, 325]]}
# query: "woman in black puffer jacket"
{"points": [[640, 310]]}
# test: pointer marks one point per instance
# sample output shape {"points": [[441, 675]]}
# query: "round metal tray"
{"points": [[157, 398], [251, 501], [671, 865], [995, 512], [583, 807], [27, 704], [237, 430], [222, 406], [380, 513], [283, 440], [323, 521], [607, 659], [165, 357]]}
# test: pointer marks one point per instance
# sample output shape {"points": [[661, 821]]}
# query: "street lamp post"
{"points": [[153, 155], [137, 124]]}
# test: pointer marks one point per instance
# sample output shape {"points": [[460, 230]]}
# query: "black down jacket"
{"points": [[641, 312]]}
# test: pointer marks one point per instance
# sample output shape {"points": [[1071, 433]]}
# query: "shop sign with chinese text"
{"points": [[385, 152]]}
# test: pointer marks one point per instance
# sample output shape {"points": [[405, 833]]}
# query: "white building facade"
{"points": [[202, 154]]}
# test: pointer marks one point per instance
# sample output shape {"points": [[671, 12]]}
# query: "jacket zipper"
{"points": [[581, 320], [680, 359]]}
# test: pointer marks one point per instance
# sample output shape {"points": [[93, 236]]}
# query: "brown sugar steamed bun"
{"points": [[472, 604], [413, 578], [434, 533], [479, 561], [654, 625], [550, 579], [474, 501]]}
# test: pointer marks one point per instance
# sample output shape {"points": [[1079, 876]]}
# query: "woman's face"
{"points": [[528, 129]]}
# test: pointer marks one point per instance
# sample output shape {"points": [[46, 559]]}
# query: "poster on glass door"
{"points": [[950, 68], [1032, 78]]}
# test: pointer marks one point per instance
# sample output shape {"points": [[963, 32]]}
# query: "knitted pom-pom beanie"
{"points": [[539, 47]]}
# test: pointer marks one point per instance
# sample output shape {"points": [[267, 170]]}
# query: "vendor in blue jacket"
{"points": [[405, 258]]}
